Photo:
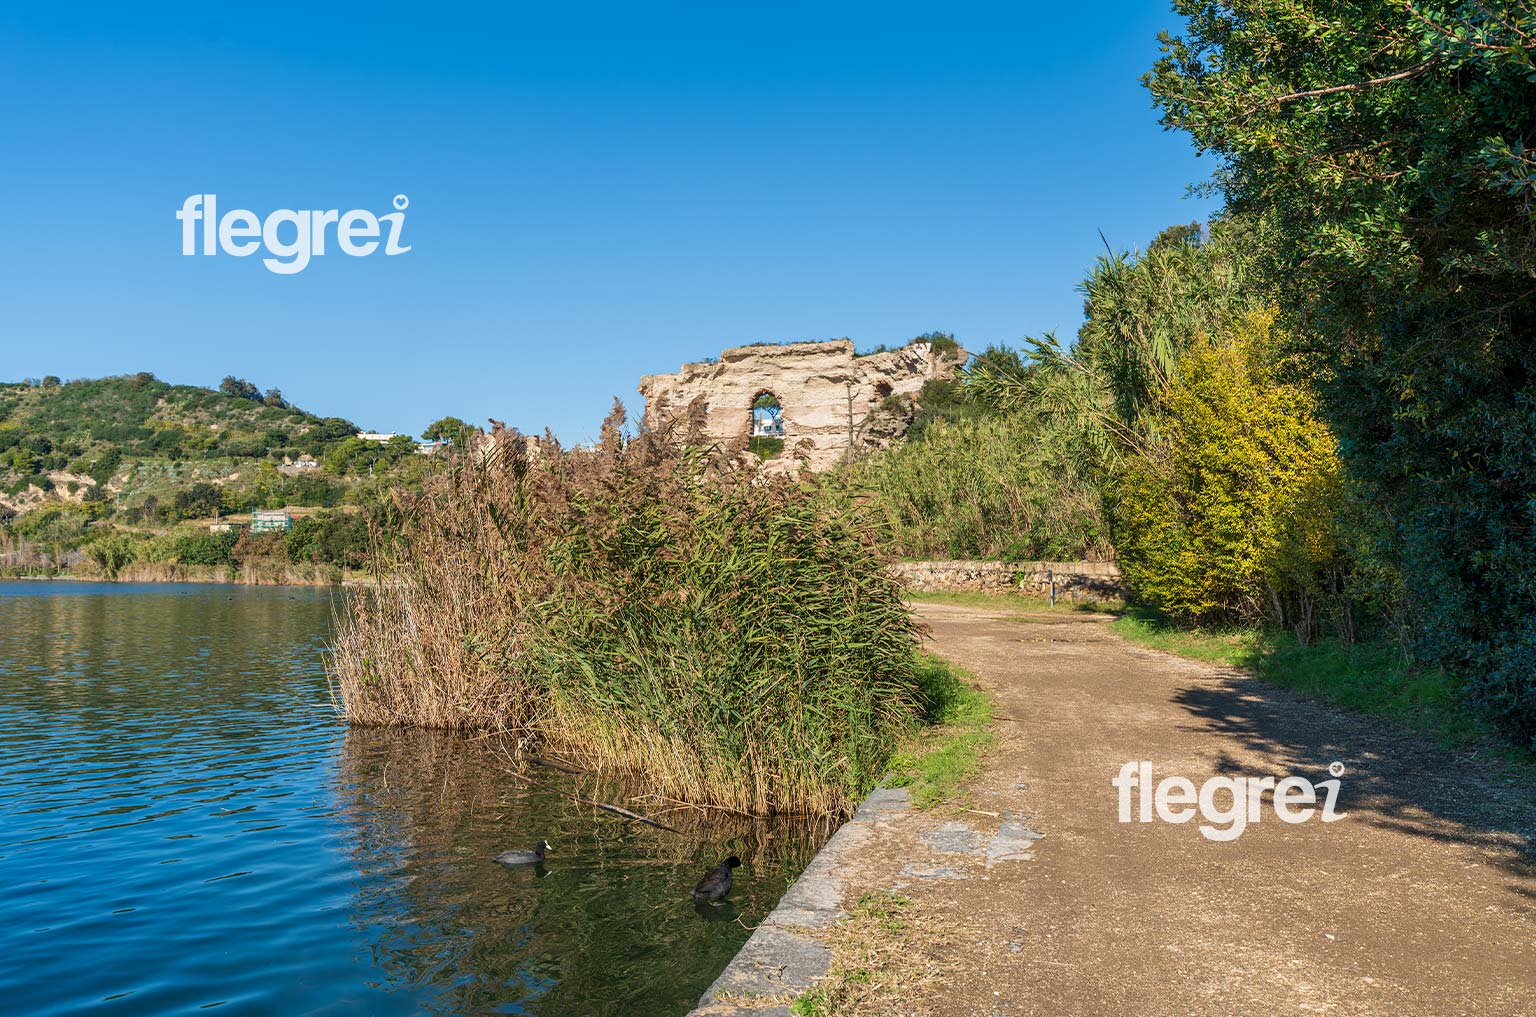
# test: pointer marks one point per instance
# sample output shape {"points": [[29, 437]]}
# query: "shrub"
{"points": [[53, 523], [312, 490], [334, 538], [731, 637], [111, 552], [765, 446], [249, 548], [104, 466], [1232, 512], [199, 500], [205, 548]]}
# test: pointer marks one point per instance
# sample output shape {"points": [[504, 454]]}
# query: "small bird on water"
{"points": [[718, 883], [533, 857]]}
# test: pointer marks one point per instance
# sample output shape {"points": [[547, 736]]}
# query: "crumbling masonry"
{"points": [[832, 402]]}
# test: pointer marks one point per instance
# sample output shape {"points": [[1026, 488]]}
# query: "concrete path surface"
{"points": [[1421, 900]]}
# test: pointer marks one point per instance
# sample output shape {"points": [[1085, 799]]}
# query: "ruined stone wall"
{"points": [[832, 401]]}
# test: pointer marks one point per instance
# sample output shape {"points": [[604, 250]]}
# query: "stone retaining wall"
{"points": [[787, 953], [1074, 580]]}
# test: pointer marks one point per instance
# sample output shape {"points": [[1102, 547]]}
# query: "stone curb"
{"points": [[781, 958]]}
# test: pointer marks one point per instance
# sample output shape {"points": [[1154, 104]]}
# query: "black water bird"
{"points": [[533, 857], [718, 883]]}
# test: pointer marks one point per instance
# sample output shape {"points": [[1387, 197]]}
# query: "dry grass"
{"points": [[648, 605], [882, 962]]}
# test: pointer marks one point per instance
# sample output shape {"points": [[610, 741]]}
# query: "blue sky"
{"points": [[596, 193]]}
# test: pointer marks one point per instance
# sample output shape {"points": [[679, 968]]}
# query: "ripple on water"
{"points": [[185, 825]]}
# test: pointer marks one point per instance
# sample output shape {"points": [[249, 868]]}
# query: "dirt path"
{"points": [[1422, 900]]}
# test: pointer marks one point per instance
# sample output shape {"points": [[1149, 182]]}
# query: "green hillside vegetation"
{"points": [[92, 427], [98, 475]]}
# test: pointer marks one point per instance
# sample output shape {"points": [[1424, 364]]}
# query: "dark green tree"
{"points": [[239, 388], [199, 500], [1387, 146], [450, 429]]}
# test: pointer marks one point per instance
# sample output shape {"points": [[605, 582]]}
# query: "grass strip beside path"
{"points": [[1374, 677], [936, 760], [878, 960]]}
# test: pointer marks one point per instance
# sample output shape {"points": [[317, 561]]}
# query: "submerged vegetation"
{"points": [[652, 605]]}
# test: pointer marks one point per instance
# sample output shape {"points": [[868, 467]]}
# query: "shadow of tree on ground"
{"points": [[1394, 779]]}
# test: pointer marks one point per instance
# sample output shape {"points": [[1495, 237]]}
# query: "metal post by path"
{"points": [[1050, 579]]}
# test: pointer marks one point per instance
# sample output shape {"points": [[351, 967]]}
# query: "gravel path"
{"points": [[1420, 900]]}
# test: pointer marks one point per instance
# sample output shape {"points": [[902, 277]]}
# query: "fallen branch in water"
{"points": [[615, 809], [562, 766]]}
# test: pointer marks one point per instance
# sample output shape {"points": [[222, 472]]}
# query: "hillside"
{"points": [[136, 447]]}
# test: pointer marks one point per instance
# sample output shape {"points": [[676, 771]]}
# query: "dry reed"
{"points": [[650, 604]]}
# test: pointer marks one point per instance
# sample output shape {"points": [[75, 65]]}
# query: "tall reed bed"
{"points": [[651, 604], [996, 487]]}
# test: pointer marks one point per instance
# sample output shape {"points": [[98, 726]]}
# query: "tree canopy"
{"points": [[1384, 145]]}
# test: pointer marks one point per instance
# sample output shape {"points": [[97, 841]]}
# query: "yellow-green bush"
{"points": [[1233, 510]]}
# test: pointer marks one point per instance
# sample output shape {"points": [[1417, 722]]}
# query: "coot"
{"points": [[533, 857], [718, 883]]}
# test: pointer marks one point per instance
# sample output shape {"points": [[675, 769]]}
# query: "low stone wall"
{"points": [[787, 953], [1074, 580]]}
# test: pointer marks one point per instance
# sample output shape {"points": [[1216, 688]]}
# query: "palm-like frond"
{"points": [[1143, 311]]}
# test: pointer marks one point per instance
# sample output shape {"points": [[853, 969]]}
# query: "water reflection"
{"points": [[185, 824], [603, 926]]}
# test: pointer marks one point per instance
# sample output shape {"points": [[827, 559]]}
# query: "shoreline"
{"points": [[785, 957], [198, 577]]}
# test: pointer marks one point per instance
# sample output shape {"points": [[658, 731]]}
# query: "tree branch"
{"points": [[1357, 86]]}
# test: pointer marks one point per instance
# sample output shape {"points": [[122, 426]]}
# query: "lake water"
{"points": [[185, 825]]}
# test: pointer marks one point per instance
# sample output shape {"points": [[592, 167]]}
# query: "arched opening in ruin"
{"points": [[767, 436], [767, 416]]}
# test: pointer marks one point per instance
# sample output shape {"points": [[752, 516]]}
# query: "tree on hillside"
{"points": [[359, 456], [199, 501], [147, 512], [451, 430], [324, 432], [239, 388], [1388, 146]]}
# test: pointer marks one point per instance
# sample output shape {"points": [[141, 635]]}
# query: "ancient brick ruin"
{"points": [[831, 402]]}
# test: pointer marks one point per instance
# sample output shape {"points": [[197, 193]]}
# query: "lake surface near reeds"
{"points": [[186, 825]]}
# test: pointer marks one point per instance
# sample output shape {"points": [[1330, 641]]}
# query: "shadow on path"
{"points": [[1394, 779]]}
